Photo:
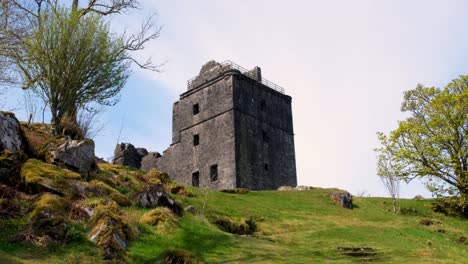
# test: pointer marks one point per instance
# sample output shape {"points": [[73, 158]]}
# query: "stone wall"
{"points": [[265, 154], [215, 126]]}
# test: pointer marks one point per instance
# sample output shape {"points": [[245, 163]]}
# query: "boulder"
{"points": [[76, 155], [342, 198], [11, 137], [149, 161], [154, 195], [303, 188], [126, 154], [285, 188], [38, 176]]}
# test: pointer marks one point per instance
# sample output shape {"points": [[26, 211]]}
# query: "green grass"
{"points": [[295, 227]]}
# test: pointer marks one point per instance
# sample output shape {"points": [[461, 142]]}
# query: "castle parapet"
{"points": [[212, 70]]}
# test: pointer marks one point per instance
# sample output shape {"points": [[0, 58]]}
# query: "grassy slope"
{"points": [[295, 227]]}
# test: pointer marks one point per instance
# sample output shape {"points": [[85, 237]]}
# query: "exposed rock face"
{"points": [[345, 199], [154, 195], [10, 133], [76, 155], [126, 154], [148, 161]]}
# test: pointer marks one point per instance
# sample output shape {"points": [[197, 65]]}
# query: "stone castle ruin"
{"points": [[230, 129]]}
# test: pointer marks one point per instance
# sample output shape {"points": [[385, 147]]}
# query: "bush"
{"points": [[451, 206]]}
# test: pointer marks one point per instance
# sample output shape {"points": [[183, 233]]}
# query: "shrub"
{"points": [[451, 206]]}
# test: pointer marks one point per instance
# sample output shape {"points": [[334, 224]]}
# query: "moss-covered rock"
{"points": [[153, 176], [158, 217], [110, 230], [49, 216], [97, 188], [38, 176], [122, 178]]}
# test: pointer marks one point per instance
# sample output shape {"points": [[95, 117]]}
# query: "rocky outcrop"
{"points": [[110, 231], [76, 155], [342, 198], [10, 133], [154, 195], [126, 154], [148, 162]]}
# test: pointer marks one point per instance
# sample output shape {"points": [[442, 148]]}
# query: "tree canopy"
{"points": [[68, 55], [432, 143], [73, 61]]}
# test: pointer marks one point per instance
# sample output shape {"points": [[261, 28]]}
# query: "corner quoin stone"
{"points": [[231, 129]]}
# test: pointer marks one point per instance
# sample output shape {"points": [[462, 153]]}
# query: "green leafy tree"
{"points": [[73, 61], [69, 57], [432, 143]]}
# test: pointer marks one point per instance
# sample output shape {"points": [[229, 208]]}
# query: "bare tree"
{"points": [[89, 121], [389, 169]]}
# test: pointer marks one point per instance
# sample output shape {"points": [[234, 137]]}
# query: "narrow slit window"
{"points": [[196, 140], [214, 172], [196, 109], [266, 167], [262, 105], [196, 179], [265, 136]]}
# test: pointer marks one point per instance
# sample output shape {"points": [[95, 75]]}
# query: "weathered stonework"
{"points": [[230, 124]]}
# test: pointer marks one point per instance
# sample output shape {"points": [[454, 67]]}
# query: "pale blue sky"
{"points": [[345, 64]]}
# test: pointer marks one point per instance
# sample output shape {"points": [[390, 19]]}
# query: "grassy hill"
{"points": [[293, 227]]}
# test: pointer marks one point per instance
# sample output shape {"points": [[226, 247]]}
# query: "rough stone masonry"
{"points": [[231, 128]]}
